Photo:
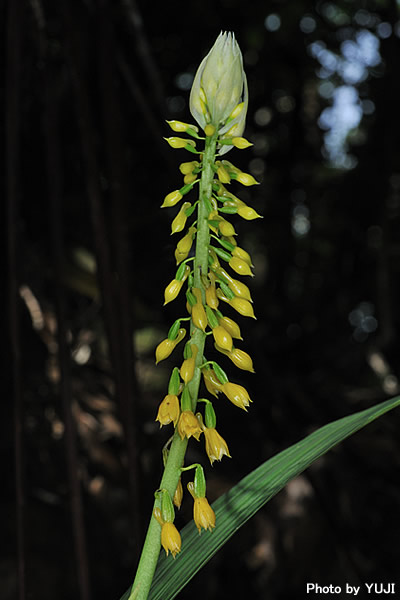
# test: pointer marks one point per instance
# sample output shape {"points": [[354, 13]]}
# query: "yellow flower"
{"points": [[184, 245], [186, 168], [248, 213], [240, 358], [222, 338], [188, 425], [240, 253], [175, 286], [168, 410], [211, 297], [170, 539], [240, 289], [232, 327], [240, 266], [220, 88], [226, 228], [172, 290], [199, 316], [188, 366], [246, 179], [223, 174], [171, 199], [216, 446], [242, 306], [237, 394], [178, 496], [178, 224], [203, 514], [241, 143], [213, 384], [166, 347], [176, 142], [181, 127]]}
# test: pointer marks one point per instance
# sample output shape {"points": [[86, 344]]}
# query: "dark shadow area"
{"points": [[86, 90]]}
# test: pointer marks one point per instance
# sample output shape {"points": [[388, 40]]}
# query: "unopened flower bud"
{"points": [[226, 229], [178, 224], [171, 199], [248, 213], [246, 179], [231, 326], [176, 142], [241, 143], [240, 266], [166, 347], [181, 127], [237, 394], [222, 338], [219, 86]]}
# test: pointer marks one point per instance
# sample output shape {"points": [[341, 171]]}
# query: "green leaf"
{"points": [[238, 505]]}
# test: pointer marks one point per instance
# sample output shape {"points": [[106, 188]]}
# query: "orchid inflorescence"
{"points": [[208, 259]]}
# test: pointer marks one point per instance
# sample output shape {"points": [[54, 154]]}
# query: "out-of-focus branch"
{"points": [[13, 177], [54, 179], [134, 19], [119, 194]]}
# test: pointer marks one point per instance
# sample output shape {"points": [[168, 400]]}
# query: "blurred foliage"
{"points": [[102, 77]]}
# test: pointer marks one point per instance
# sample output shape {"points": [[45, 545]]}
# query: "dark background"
{"points": [[88, 85]]}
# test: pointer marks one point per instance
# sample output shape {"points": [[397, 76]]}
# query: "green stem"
{"points": [[172, 471]]}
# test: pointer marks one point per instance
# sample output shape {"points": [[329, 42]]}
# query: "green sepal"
{"points": [[174, 382], [180, 273], [210, 416], [220, 373], [207, 204], [191, 298], [212, 319], [193, 133], [190, 211], [186, 400], [211, 260], [174, 330], [191, 149], [199, 482], [225, 141], [186, 188], [167, 508], [226, 290], [222, 254], [226, 245], [229, 210], [190, 280], [213, 222], [187, 351], [215, 186]]}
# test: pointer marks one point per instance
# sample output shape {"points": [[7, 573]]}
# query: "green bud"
{"points": [[212, 319], [223, 254], [167, 508], [199, 482], [174, 382], [220, 373], [226, 290], [191, 298], [187, 351], [210, 417], [186, 400], [174, 330]]}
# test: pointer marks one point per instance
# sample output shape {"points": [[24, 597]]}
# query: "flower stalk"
{"points": [[218, 102]]}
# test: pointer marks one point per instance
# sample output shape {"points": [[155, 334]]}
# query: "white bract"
{"points": [[219, 95]]}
